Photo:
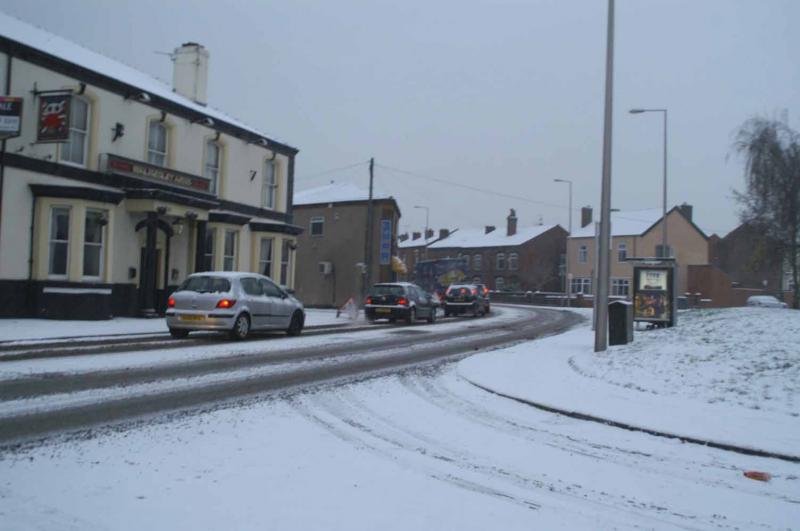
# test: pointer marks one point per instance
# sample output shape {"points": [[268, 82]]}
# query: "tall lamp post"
{"points": [[427, 219], [664, 194], [567, 284]]}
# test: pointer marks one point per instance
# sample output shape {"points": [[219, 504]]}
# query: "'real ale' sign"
{"points": [[53, 123], [10, 117]]}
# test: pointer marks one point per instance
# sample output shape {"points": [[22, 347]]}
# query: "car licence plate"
{"points": [[383, 310], [192, 317]]}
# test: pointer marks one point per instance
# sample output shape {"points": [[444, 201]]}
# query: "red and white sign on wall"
{"points": [[10, 117], [54, 117]]}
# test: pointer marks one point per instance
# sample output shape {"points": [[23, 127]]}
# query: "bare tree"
{"points": [[771, 201]]}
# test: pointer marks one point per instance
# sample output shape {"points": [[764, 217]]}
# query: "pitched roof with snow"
{"points": [[625, 223], [476, 238], [336, 193], [419, 242], [61, 48]]}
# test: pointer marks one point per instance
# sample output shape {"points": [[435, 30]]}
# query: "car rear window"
{"points": [[387, 290], [206, 285]]}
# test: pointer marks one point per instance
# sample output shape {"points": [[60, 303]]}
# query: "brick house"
{"points": [[525, 259], [636, 233]]}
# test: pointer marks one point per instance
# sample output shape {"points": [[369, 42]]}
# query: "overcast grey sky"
{"points": [[503, 96]]}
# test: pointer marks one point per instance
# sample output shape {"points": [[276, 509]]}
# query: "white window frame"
{"points": [[62, 149], [208, 252], [583, 254], [210, 171], [269, 185], [499, 283], [285, 262], [262, 261], [101, 245], [622, 251], [500, 262], [51, 241], [477, 262], [319, 221], [232, 257], [617, 285], [582, 285], [153, 153], [513, 261]]}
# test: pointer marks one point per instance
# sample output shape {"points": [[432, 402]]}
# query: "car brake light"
{"points": [[402, 301], [369, 300], [474, 291], [485, 291], [226, 303], [463, 291], [171, 302]]}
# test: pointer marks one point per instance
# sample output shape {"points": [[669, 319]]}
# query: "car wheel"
{"points": [[241, 328], [447, 313], [296, 325], [412, 316], [178, 333], [432, 316], [475, 312]]}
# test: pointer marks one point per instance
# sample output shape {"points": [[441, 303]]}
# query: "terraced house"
{"points": [[114, 186]]}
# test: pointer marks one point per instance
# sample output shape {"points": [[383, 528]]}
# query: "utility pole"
{"points": [[603, 276], [368, 243]]}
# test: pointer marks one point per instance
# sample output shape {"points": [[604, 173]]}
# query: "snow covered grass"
{"points": [[748, 357], [730, 376]]}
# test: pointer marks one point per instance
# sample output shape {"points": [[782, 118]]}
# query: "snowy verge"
{"points": [[40, 329], [683, 381]]}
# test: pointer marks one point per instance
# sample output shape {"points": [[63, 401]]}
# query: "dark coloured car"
{"points": [[485, 290], [465, 298], [399, 300]]}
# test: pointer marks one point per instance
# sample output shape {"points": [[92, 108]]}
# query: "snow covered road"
{"points": [[421, 449]]}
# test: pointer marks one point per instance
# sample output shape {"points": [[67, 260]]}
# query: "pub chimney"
{"points": [[444, 233], [428, 234], [416, 236], [190, 71]]}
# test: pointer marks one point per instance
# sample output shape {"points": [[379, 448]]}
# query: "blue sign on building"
{"points": [[386, 241]]}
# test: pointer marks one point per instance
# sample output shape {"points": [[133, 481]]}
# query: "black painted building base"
{"points": [[68, 300]]}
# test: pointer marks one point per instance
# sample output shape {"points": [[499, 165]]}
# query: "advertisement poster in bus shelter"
{"points": [[652, 299]]}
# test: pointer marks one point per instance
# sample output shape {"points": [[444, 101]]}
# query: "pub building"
{"points": [[115, 186]]}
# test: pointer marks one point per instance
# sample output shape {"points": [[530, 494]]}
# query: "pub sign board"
{"points": [[53, 123], [140, 170], [10, 117], [654, 294]]}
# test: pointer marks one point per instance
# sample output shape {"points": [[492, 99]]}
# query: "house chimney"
{"points": [[416, 235], [190, 72], [428, 234], [403, 237], [444, 233], [686, 210], [488, 229], [586, 216], [511, 223]]}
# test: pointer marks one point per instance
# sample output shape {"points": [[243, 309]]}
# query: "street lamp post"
{"points": [[427, 218], [567, 286], [664, 194]]}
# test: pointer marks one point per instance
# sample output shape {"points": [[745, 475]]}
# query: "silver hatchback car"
{"points": [[235, 302]]}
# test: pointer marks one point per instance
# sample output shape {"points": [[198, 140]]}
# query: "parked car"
{"points": [[465, 298], [765, 301], [400, 300], [236, 302], [485, 290]]}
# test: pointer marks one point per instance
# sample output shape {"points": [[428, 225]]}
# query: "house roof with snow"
{"points": [[34, 43], [632, 223], [477, 238], [339, 193], [422, 242]]}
